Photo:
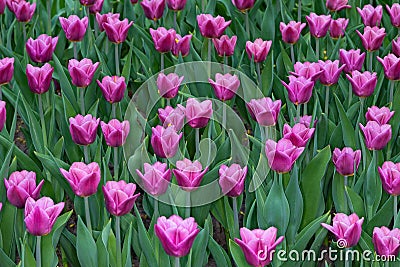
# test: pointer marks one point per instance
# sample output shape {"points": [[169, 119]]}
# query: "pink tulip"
{"points": [[83, 178], [39, 78], [224, 45], [119, 197], [211, 27], [390, 177], [346, 160], [163, 39], [259, 50], [82, 72], [346, 228], [243, 5], [352, 59], [9, 4], [309, 70], [386, 241], [396, 47], [198, 113], [231, 179], [74, 27], [337, 5], [258, 245], [176, 5], [134, 2], [2, 8], [165, 141], [153, 9], [376, 136], [23, 10], [299, 89], [41, 215], [372, 38], [156, 178], [380, 115], [281, 155], [83, 129], [225, 86], [20, 186], [176, 235], [6, 70], [172, 117], [3, 116], [391, 66], [370, 15], [319, 24], [102, 18], [117, 30], [189, 174], [87, 2], [298, 135], [363, 83], [41, 50], [330, 72], [394, 13], [291, 32], [1, 206], [181, 45], [168, 85], [306, 120], [96, 7], [338, 27], [115, 132], [264, 110], [113, 88]]}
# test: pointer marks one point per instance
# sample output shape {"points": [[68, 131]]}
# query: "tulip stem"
{"points": [[350, 94], [326, 100], [89, 30], [391, 93], [175, 24], [1, 91], [38, 253], [316, 47], [259, 75], [82, 96], [49, 16], [75, 46], [299, 11], [361, 105], [162, 62], [292, 53], [246, 18], [203, 5], [346, 257], [24, 30], [86, 154], [370, 54], [298, 112], [87, 214], [155, 205], [118, 237], [209, 56], [305, 110], [168, 102], [177, 262], [187, 209], [117, 60], [114, 110], [197, 141], [395, 210], [235, 216], [43, 122], [224, 116], [116, 164]]}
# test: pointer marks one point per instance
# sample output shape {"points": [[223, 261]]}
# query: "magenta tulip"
{"points": [[115, 132], [380, 115], [394, 13], [41, 50], [337, 5], [3, 116], [117, 30], [23, 10], [82, 72], [6, 70], [83, 129], [231, 179], [396, 47], [189, 174], [372, 38], [371, 16], [338, 27], [306, 120], [386, 241], [299, 89], [264, 110], [259, 50], [224, 45], [298, 135], [390, 177], [352, 59], [319, 24], [83, 178], [163, 39], [225, 86], [96, 7], [391, 66], [176, 5], [291, 32], [113, 88], [153, 9], [212, 27], [363, 83], [243, 5], [39, 78], [165, 141], [168, 85], [102, 18], [172, 117], [181, 45], [119, 197], [346, 160], [281, 155], [87, 2], [330, 72], [198, 113], [308, 70], [376, 136], [74, 27], [2, 9], [155, 178]]}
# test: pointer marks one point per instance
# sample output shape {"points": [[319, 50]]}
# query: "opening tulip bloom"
{"points": [[258, 245], [198, 113], [259, 50], [181, 45], [298, 135], [83, 178], [330, 72], [113, 88], [264, 110], [117, 30], [291, 31], [189, 174], [96, 7], [346, 227], [21, 185], [372, 38], [74, 27], [82, 72], [224, 45], [363, 83], [176, 5], [376, 136], [168, 85], [102, 18], [172, 117], [119, 197], [23, 10], [337, 5], [39, 78], [176, 234], [41, 50], [308, 70], [386, 242], [390, 177], [153, 9], [231, 179], [319, 24], [243, 5], [394, 12], [371, 16], [346, 160], [380, 115], [83, 129], [352, 59], [281, 155], [391, 66], [165, 141], [115, 132], [163, 39], [338, 27], [211, 27], [225, 86], [41, 215], [3, 113], [6, 70], [299, 89], [156, 178]]}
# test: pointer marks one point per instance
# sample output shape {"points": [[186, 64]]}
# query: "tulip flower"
{"points": [[83, 178], [298, 135], [281, 155], [306, 120], [189, 174], [39, 78], [168, 85], [338, 27], [115, 132], [265, 111], [172, 117], [74, 27], [396, 47], [96, 7], [134, 2], [231, 179], [258, 245], [181, 45], [119, 197], [153, 9], [155, 178], [82, 72], [113, 88], [41, 50], [83, 129], [371, 16], [224, 45], [308, 70], [372, 38], [1, 206], [243, 5], [337, 5], [390, 177], [102, 18], [20, 186], [23, 10], [394, 13], [6, 70], [291, 31], [380, 115], [352, 59], [346, 228], [3, 116], [391, 67], [41, 215], [176, 5], [386, 242], [258, 51], [319, 24], [87, 2], [346, 160], [176, 234], [198, 113], [212, 27], [376, 136], [363, 83], [330, 72], [225, 86], [165, 141], [116, 30], [2, 9], [299, 89]]}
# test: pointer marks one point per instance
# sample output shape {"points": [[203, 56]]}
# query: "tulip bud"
{"points": [[102, 18], [153, 9], [115, 132], [198, 113], [390, 177], [231, 179], [224, 45], [299, 89], [83, 129], [243, 5], [281, 155], [376, 136], [380, 115], [189, 174], [319, 24], [291, 32], [156, 178], [168, 85], [113, 88], [41, 50], [39, 78], [363, 84], [346, 161], [176, 5], [372, 38], [265, 111], [82, 72], [258, 51], [74, 27], [225, 86], [338, 27], [23, 10], [212, 27], [352, 60], [83, 178], [116, 30], [165, 141], [330, 72], [181, 45], [371, 16], [298, 135], [119, 197]]}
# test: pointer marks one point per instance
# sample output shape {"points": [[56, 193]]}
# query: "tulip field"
{"points": [[199, 133]]}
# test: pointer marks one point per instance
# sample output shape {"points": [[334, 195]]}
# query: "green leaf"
{"points": [[144, 240], [237, 254], [200, 246], [295, 200], [101, 244], [85, 246], [347, 128], [126, 250]]}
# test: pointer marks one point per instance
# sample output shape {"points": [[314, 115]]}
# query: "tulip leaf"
{"points": [[126, 250], [199, 247], [5, 260], [84, 245], [237, 254], [219, 254], [295, 200], [356, 203], [348, 130], [144, 240], [339, 193]]}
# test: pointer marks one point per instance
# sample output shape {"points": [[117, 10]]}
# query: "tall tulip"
{"points": [[363, 83], [225, 86], [155, 178], [394, 12], [386, 242], [41, 49], [168, 85], [74, 27], [83, 178], [371, 16], [376, 136], [346, 160], [380, 115], [281, 155], [329, 76], [165, 141], [153, 9]]}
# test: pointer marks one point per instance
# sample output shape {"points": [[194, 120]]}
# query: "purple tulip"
{"points": [[172, 117], [119, 197], [23, 10], [168, 85], [82, 72], [306, 120], [298, 135], [338, 27], [352, 59], [2, 8], [115, 132], [372, 38], [74, 27], [225, 86], [20, 186], [224, 45], [281, 155], [176, 235], [41, 50], [96, 7], [83, 178], [259, 50], [264, 110], [363, 83], [396, 47], [198, 113], [165, 141], [102, 18], [83, 129], [189, 174], [211, 27], [181, 45], [330, 72], [41, 215], [1, 206], [117, 30], [391, 66], [386, 241], [231, 179], [156, 178], [376, 136], [380, 115], [163, 39], [243, 5], [258, 245], [337, 5], [299, 89], [394, 13], [291, 32], [390, 177], [113, 88], [176, 5], [39, 78], [346, 160], [6, 70], [319, 24], [309, 70], [371, 16], [3, 116], [9, 4], [153, 9], [346, 228], [87, 2]]}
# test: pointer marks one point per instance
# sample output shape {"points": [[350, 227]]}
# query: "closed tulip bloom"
{"points": [[153, 9], [231, 179], [386, 242], [352, 59], [172, 117], [372, 38], [281, 155], [176, 5], [96, 7], [264, 110], [41, 50], [346, 160], [224, 45], [117, 30], [225, 86], [363, 83], [396, 47], [198, 113], [306, 120], [6, 70], [3, 116], [380, 115], [391, 66], [20, 186], [376, 136], [23, 10], [39, 78], [74, 27], [163, 39], [337, 5], [338, 27], [2, 8], [212, 27], [189, 174], [181, 45], [243, 5], [346, 227], [258, 245], [87, 2], [41, 215], [115, 132], [371, 16], [155, 178], [119, 197], [113, 88], [298, 135], [299, 89], [258, 50], [394, 12], [83, 129], [82, 72], [102, 18], [330, 72], [390, 177], [165, 141], [319, 24], [83, 178], [176, 234], [168, 85], [308, 70], [291, 31]]}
